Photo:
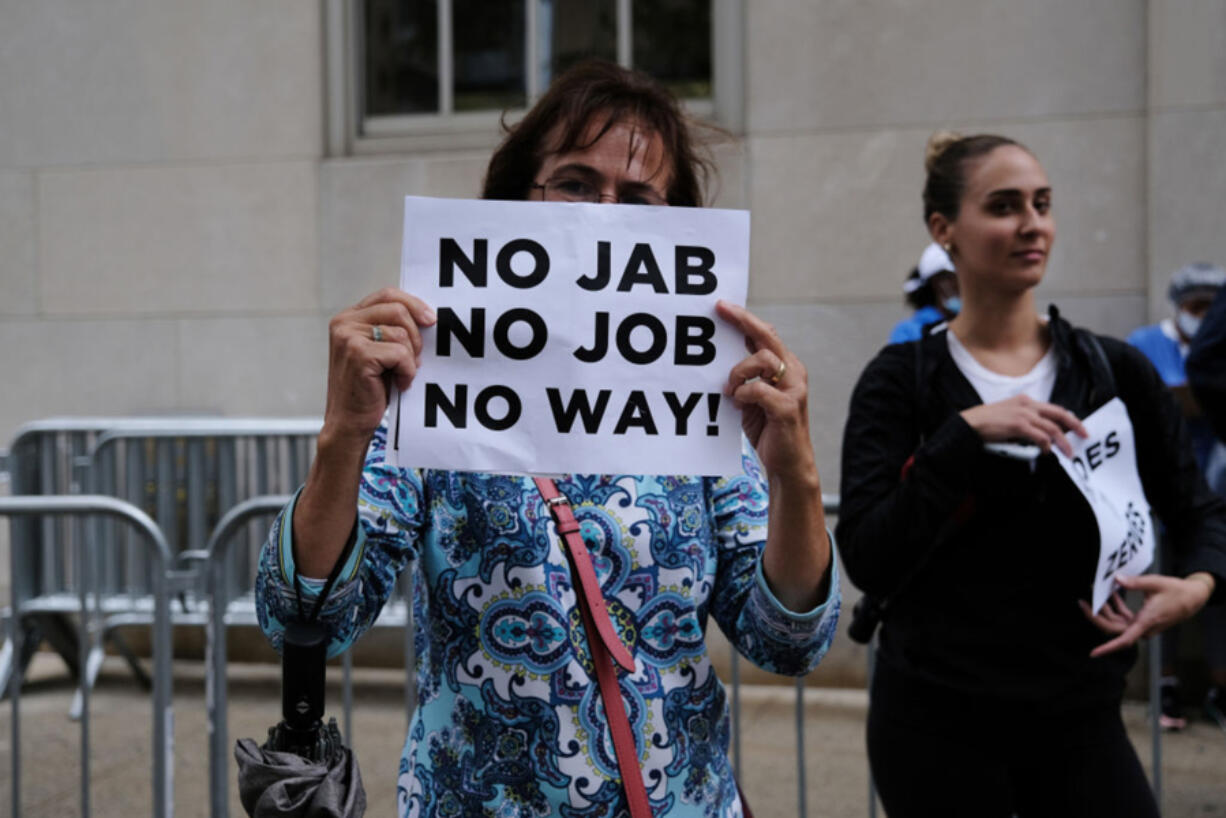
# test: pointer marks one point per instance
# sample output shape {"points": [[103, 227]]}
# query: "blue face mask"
{"points": [[952, 305]]}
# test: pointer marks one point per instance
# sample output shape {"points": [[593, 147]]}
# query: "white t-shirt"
{"points": [[993, 386]]}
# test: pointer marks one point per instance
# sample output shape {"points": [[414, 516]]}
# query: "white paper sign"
{"points": [[1104, 468], [572, 338]]}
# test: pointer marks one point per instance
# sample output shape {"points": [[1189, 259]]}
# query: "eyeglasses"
{"points": [[570, 189]]}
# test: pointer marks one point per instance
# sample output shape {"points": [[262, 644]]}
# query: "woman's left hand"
{"points": [[771, 387], [1168, 601]]}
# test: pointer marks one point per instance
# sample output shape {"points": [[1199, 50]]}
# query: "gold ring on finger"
{"points": [[778, 376]]}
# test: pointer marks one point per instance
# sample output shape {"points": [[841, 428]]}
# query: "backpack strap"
{"points": [[877, 606], [1081, 342], [924, 367], [1104, 386]]}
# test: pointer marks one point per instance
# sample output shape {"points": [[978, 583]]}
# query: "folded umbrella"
{"points": [[304, 770]]}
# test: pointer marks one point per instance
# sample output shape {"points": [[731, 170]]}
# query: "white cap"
{"points": [[1197, 276], [933, 260]]}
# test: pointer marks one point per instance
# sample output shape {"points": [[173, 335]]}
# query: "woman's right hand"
{"points": [[362, 370], [1023, 417]]}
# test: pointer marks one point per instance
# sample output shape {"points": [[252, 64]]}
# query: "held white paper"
{"points": [[1104, 468], [572, 338]]}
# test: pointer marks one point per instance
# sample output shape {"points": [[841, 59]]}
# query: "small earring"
{"points": [[949, 247]]}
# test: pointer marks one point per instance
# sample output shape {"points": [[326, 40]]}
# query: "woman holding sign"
{"points": [[521, 710], [998, 689]]}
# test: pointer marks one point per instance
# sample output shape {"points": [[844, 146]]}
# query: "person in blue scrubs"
{"points": [[1192, 289], [932, 290]]}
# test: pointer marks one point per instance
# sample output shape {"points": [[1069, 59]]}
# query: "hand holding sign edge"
{"points": [[361, 369], [771, 388], [363, 363]]}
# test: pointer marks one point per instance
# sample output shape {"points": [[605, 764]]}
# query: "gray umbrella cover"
{"points": [[286, 785]]}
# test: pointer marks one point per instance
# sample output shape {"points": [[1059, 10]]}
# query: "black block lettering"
{"points": [[471, 337], [603, 270], [694, 334], [450, 256], [641, 268], [682, 411], [456, 411], [540, 261], [502, 334], [636, 413], [693, 271], [600, 341], [1094, 455], [578, 405], [481, 409], [1113, 444], [659, 338]]}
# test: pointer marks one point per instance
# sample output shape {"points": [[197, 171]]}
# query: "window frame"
{"points": [[346, 134]]}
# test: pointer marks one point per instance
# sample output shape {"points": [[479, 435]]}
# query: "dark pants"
{"points": [[937, 753]]}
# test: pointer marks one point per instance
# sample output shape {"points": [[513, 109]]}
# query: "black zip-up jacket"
{"points": [[982, 559]]}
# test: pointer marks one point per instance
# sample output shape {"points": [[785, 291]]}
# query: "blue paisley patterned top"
{"points": [[509, 722]]}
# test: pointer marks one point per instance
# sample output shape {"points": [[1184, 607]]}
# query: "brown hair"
{"points": [[584, 92], [945, 159]]}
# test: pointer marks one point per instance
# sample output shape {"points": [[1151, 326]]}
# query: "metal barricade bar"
{"points": [[1155, 694], [215, 556], [830, 505], [230, 434], [179, 459], [62, 456], [163, 716]]}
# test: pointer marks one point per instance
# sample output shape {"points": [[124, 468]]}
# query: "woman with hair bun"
{"points": [[997, 692]]}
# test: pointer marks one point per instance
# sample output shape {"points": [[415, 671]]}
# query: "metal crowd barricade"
{"points": [[45, 459], [830, 505], [184, 472], [1155, 696], [226, 611], [194, 476], [216, 688], [163, 716]]}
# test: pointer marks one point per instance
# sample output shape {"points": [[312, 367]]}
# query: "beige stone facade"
{"points": [[177, 223]]}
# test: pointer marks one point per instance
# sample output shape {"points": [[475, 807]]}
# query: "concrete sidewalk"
{"points": [[836, 776]]}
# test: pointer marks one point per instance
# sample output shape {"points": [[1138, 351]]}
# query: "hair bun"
{"points": [[938, 143]]}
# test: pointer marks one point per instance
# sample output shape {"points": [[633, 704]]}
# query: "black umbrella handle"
{"points": [[303, 670]]}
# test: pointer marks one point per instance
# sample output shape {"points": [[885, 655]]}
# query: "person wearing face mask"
{"points": [[1166, 344], [997, 690], [1191, 291], [932, 291]]}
